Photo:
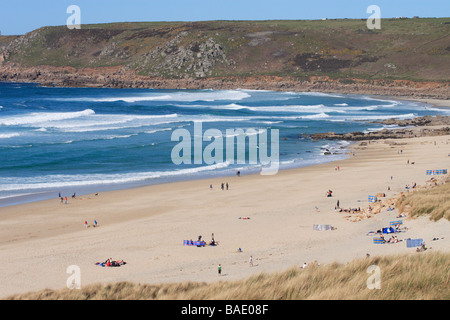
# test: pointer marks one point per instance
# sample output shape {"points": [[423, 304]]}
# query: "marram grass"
{"points": [[414, 276], [434, 202]]}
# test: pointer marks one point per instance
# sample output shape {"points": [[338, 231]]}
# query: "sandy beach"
{"points": [[146, 226], [430, 102]]}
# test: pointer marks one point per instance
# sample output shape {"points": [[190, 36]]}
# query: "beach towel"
{"points": [[378, 240], [410, 243], [372, 199], [395, 223], [194, 243], [322, 227], [439, 171]]}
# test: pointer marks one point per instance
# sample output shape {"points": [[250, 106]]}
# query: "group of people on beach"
{"points": [[411, 187], [86, 225], [64, 199], [199, 239], [349, 210], [337, 208], [223, 186]]}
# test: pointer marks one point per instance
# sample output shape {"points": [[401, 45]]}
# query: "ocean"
{"points": [[85, 140]]}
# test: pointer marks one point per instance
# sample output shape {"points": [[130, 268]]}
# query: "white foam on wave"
{"points": [[157, 130], [118, 122], [438, 109], [314, 94], [381, 117], [392, 103], [188, 96], [43, 117], [316, 116], [62, 181], [103, 122], [132, 99], [281, 108], [123, 136], [319, 108], [9, 135]]}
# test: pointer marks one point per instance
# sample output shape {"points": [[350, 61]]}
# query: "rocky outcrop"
{"points": [[383, 134], [174, 59], [438, 126], [420, 121], [126, 77]]}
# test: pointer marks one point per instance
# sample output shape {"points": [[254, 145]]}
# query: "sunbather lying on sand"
{"points": [[111, 263]]}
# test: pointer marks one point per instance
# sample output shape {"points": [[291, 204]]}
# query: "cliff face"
{"points": [[333, 56]]}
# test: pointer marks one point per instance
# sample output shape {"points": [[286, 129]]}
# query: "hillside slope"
{"points": [[412, 52]]}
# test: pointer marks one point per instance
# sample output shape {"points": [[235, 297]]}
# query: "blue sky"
{"points": [[22, 16]]}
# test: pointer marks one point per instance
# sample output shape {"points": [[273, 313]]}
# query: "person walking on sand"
{"points": [[227, 185], [251, 261], [219, 269]]}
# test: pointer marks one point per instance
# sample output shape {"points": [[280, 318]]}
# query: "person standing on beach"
{"points": [[219, 269], [227, 185], [251, 261]]}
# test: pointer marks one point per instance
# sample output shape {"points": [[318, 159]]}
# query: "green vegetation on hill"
{"points": [[409, 49]]}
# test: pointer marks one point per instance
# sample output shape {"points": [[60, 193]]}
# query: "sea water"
{"points": [[85, 140]]}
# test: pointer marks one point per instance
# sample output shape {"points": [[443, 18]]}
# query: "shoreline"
{"points": [[44, 195], [32, 196], [146, 226]]}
